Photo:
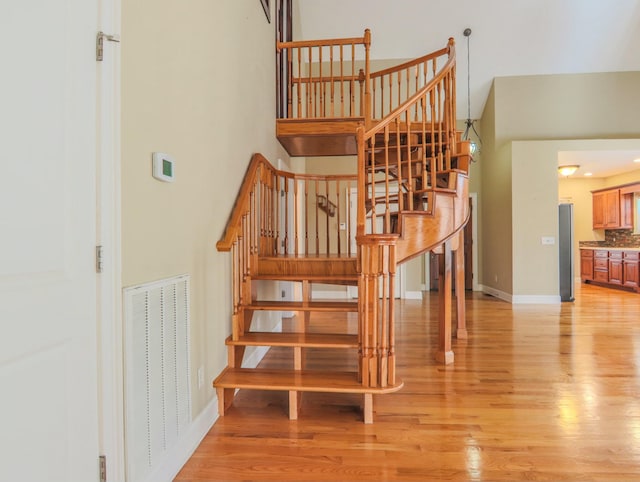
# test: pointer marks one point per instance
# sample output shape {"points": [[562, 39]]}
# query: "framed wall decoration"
{"points": [[266, 5]]}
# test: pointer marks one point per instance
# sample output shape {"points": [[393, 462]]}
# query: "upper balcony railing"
{"points": [[324, 78]]}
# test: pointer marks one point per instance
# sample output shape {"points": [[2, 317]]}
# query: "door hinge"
{"points": [[100, 38], [103, 468], [99, 259]]}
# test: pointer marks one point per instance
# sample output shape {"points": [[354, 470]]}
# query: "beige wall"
{"points": [[578, 106], [534, 215], [626, 178], [586, 106], [495, 205], [198, 82]]}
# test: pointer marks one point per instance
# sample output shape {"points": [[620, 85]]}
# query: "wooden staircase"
{"points": [[412, 197]]}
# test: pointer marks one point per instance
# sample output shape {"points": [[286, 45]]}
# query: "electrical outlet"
{"points": [[200, 377]]}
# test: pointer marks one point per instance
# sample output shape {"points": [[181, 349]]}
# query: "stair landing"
{"points": [[319, 137], [324, 267]]}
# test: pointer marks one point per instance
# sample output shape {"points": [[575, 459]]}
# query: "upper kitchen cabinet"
{"points": [[613, 207], [606, 209]]}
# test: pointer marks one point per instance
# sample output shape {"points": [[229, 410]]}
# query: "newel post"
{"points": [[376, 293]]}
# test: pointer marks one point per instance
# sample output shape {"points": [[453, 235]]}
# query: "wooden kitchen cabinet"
{"points": [[615, 267], [586, 264], [598, 210], [631, 269], [606, 209], [611, 267], [613, 207], [626, 210], [601, 266]]}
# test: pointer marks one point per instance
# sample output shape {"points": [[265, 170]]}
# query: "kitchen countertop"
{"points": [[612, 248]]}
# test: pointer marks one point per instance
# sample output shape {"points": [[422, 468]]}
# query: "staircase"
{"points": [[411, 182]]}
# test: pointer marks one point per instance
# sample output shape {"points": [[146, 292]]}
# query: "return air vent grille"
{"points": [[157, 372]]}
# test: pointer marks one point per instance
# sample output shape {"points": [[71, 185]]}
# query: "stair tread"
{"points": [[350, 306], [307, 340], [297, 380]]}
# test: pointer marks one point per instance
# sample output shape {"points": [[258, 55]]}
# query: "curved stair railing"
{"points": [[408, 163]]}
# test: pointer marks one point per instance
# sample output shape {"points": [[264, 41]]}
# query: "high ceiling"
{"points": [[509, 37]]}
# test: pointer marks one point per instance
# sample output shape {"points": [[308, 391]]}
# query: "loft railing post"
{"points": [[451, 101], [361, 80], [367, 80], [362, 182]]}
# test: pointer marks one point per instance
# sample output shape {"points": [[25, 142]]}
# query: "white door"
{"points": [[48, 375]]}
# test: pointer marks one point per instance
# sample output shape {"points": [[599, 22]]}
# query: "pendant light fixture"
{"points": [[469, 122]]}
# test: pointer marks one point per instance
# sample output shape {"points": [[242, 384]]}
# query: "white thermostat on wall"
{"points": [[163, 167]]}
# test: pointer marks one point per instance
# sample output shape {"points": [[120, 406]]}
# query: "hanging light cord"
{"points": [[469, 123], [468, 78]]}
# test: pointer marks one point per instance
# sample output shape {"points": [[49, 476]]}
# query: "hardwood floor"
{"points": [[537, 392]]}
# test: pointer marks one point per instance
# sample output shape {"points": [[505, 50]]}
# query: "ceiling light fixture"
{"points": [[637, 160], [469, 122], [587, 174], [567, 171]]}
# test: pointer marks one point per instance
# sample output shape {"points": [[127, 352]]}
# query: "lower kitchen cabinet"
{"points": [[611, 267], [631, 269], [586, 264], [615, 267]]}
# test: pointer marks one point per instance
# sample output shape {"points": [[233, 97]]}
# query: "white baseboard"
{"points": [[521, 299], [535, 299], [497, 293], [175, 458]]}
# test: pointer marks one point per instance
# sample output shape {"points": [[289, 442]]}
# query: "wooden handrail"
{"points": [[322, 43], [411, 63], [234, 224]]}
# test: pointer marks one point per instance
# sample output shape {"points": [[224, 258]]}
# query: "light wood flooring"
{"points": [[537, 393]]}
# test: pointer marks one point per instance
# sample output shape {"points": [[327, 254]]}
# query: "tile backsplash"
{"points": [[621, 238]]}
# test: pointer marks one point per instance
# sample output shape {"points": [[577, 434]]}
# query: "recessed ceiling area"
{"points": [[600, 163]]}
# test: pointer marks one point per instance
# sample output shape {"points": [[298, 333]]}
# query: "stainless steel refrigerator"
{"points": [[565, 248]]}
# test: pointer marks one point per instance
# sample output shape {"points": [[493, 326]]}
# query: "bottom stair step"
{"points": [[295, 381], [298, 380]]}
